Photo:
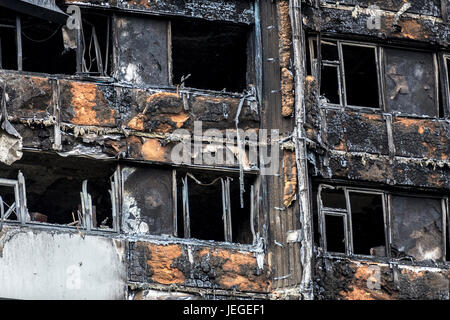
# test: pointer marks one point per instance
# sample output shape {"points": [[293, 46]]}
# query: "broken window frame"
{"points": [[339, 64], [81, 69], [102, 62], [314, 42], [387, 216], [226, 207], [19, 205], [347, 214], [84, 222]]}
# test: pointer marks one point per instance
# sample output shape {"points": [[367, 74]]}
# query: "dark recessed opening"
{"points": [[53, 186], [206, 207], [333, 198], [367, 224], [43, 47], [335, 234], [8, 53], [100, 23], [329, 51], [213, 53], [240, 217], [361, 80], [329, 84]]}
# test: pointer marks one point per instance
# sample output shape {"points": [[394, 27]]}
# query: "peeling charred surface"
{"points": [[141, 58], [88, 104], [209, 268], [148, 201], [29, 96], [412, 173], [225, 10], [336, 19], [357, 132], [351, 280]]}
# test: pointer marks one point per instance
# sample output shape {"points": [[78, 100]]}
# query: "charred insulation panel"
{"points": [[410, 82], [141, 50], [417, 227], [147, 201]]}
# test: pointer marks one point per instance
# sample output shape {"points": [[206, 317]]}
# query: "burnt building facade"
{"points": [[224, 149]]}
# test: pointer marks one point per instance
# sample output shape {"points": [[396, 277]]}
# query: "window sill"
{"points": [[384, 260], [369, 110]]}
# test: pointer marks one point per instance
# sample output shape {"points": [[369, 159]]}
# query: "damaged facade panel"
{"points": [[350, 20], [225, 10], [196, 266]]}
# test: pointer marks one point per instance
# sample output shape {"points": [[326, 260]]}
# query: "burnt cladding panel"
{"points": [[142, 50], [417, 227], [151, 192], [410, 82]]}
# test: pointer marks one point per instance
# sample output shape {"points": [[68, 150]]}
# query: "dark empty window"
{"points": [[329, 86], [43, 47], [209, 207], [8, 52], [213, 54], [361, 79], [349, 73], [333, 198], [335, 233], [367, 224]]}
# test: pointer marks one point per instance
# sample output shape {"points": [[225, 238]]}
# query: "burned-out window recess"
{"points": [[214, 56], [348, 72], [352, 221], [93, 44], [372, 223], [53, 186], [30, 43], [209, 208], [33, 43], [390, 79], [88, 217]]}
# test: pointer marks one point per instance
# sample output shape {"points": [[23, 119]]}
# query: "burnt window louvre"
{"points": [[381, 224], [214, 54], [208, 208]]}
